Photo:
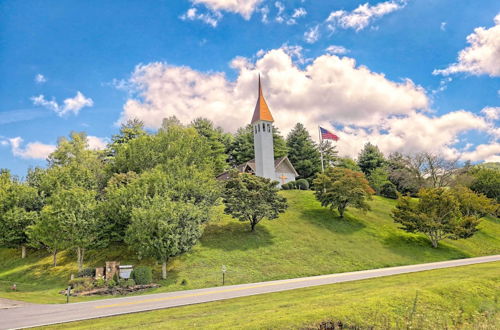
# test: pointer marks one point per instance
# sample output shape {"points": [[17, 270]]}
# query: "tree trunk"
{"points": [[341, 211], [80, 252], [164, 270], [23, 251], [54, 258]]}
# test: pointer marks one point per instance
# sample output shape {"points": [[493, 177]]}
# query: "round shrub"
{"points": [[389, 190], [285, 186], [81, 284], [142, 275], [86, 272], [302, 184]]}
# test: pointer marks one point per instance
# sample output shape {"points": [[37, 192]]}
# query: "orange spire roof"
{"points": [[261, 111]]}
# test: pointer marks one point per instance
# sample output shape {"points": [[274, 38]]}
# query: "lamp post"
{"points": [[224, 269]]}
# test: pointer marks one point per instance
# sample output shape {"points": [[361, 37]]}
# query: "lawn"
{"points": [[465, 297], [306, 240]]}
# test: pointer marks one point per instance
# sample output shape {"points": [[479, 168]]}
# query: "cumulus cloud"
{"points": [[312, 35], [33, 150], [70, 105], [40, 78], [492, 113], [210, 18], [96, 143], [333, 49], [482, 56], [363, 15], [363, 105], [243, 7]]}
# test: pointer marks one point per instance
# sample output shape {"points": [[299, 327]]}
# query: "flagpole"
{"points": [[321, 149]]}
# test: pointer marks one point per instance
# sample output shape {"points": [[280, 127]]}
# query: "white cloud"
{"points": [[328, 90], [492, 113], [210, 18], [243, 7], [71, 105], [363, 15], [442, 27], [40, 78], [96, 143], [299, 12], [482, 56], [333, 49], [484, 152], [312, 35], [33, 150]]}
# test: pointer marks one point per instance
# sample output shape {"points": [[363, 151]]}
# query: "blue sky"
{"points": [[85, 65]]}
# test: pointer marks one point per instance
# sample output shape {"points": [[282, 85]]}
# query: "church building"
{"points": [[264, 164]]}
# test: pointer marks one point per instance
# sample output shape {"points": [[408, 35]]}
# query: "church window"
{"points": [[269, 128], [258, 127], [263, 127], [255, 129]]}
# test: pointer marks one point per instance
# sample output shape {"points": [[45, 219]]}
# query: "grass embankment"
{"points": [[306, 240], [466, 297]]}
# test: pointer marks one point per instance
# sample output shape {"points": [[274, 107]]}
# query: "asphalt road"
{"points": [[30, 315]]}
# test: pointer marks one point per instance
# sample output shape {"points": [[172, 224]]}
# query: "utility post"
{"points": [[224, 269]]}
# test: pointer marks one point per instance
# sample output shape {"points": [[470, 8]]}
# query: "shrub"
{"points": [[100, 282], [112, 283], [389, 190], [302, 184], [142, 275], [86, 272], [184, 282], [116, 277], [285, 186], [81, 284], [126, 283]]}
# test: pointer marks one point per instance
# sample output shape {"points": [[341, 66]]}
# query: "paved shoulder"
{"points": [[36, 315]]}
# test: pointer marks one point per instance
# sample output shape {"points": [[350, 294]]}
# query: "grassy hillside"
{"points": [[306, 240], [457, 298]]}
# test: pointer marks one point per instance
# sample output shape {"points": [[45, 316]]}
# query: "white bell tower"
{"points": [[262, 124]]}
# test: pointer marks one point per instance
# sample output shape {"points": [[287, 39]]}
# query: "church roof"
{"points": [[249, 167], [261, 111]]}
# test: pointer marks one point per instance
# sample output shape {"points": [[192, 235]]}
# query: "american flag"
{"points": [[327, 135]]}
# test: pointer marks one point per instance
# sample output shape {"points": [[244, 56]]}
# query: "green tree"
{"points": [[439, 214], [370, 158], [341, 187], [216, 139], [163, 228], [303, 152], [486, 181], [74, 210], [252, 198], [241, 149], [348, 163], [330, 153], [19, 206], [378, 178], [405, 177]]}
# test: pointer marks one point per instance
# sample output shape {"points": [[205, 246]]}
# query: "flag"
{"points": [[327, 135]]}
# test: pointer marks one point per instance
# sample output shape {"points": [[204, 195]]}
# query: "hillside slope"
{"points": [[306, 240]]}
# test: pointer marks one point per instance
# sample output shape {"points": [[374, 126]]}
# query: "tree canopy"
{"points": [[304, 153]]}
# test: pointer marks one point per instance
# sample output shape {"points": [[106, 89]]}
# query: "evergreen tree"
{"points": [[216, 139], [370, 158], [303, 152]]}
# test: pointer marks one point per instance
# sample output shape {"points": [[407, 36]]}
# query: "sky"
{"points": [[406, 75]]}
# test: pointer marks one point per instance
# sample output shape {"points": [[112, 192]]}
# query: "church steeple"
{"points": [[262, 124], [261, 111]]}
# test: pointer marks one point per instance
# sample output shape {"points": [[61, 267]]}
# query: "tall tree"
{"points": [[486, 181], [241, 149], [329, 152], [341, 187], [163, 228], [216, 139], [303, 152], [19, 206], [370, 158], [252, 198]]}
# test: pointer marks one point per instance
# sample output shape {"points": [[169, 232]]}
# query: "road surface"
{"points": [[30, 315]]}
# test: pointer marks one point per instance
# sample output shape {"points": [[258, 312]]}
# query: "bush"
{"points": [[112, 283], [100, 282], [389, 190], [127, 283], [285, 186], [81, 284], [302, 184], [142, 275], [86, 272]]}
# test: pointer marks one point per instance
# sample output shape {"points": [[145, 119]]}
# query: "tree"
{"points": [[406, 179], [370, 158], [378, 178], [251, 198], [241, 149], [303, 152], [348, 163], [330, 153], [216, 139], [440, 213], [341, 187], [74, 211], [163, 228], [19, 206], [486, 181], [130, 130]]}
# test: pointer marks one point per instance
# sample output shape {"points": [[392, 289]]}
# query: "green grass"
{"points": [[306, 240], [465, 297]]}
